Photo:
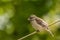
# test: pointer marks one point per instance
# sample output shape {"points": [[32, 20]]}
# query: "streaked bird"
{"points": [[39, 24]]}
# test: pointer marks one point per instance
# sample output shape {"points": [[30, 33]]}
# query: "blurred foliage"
{"points": [[14, 15]]}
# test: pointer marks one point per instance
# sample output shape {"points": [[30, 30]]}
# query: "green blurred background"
{"points": [[14, 15]]}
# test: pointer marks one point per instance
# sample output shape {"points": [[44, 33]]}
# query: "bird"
{"points": [[39, 24]]}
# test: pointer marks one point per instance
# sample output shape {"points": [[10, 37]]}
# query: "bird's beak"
{"points": [[28, 18]]}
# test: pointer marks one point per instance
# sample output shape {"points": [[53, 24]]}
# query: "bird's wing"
{"points": [[41, 22]]}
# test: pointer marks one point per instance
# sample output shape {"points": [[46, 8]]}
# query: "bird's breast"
{"points": [[36, 26]]}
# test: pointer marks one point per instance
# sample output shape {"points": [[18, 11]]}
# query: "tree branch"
{"points": [[36, 31], [28, 35]]}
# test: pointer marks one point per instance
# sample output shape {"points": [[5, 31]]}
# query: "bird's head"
{"points": [[32, 17]]}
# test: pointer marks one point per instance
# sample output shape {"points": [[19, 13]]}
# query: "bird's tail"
{"points": [[50, 33]]}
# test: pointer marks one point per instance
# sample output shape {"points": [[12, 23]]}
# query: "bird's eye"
{"points": [[31, 17]]}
